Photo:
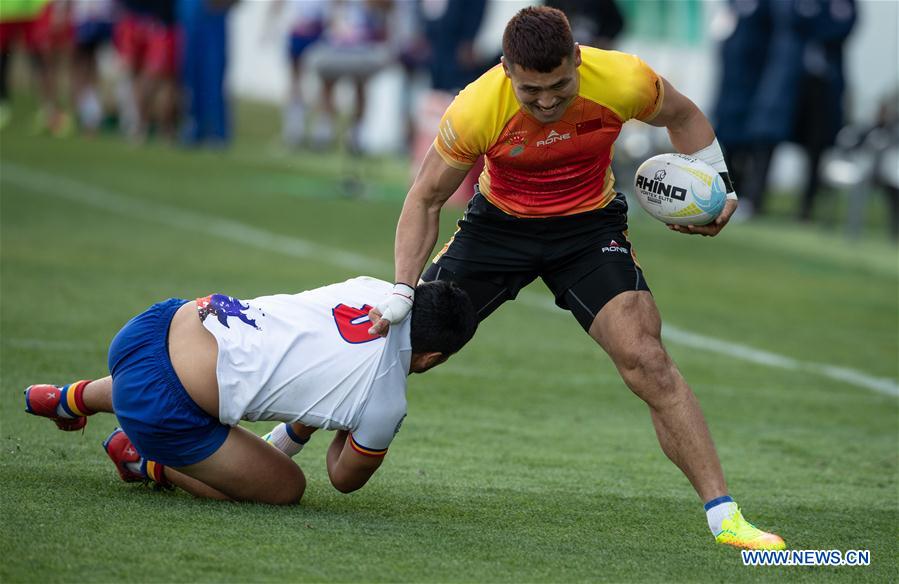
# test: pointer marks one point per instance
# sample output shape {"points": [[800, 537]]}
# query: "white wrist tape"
{"points": [[714, 157], [397, 305]]}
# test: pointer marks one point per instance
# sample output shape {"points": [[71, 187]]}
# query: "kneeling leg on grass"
{"points": [[244, 468]]}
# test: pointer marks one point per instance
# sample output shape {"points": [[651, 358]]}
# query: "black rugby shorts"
{"points": [[584, 259]]}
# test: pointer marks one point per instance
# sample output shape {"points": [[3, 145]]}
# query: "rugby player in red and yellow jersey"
{"points": [[546, 121]]}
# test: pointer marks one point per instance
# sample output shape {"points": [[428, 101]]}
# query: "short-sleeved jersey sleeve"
{"points": [[474, 120], [621, 82], [649, 92], [383, 414]]}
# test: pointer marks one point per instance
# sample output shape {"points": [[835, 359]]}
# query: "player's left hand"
{"points": [[713, 228]]}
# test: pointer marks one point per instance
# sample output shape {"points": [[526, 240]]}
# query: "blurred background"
{"points": [[803, 93]]}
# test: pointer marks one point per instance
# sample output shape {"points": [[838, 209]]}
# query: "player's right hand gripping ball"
{"points": [[680, 190]]}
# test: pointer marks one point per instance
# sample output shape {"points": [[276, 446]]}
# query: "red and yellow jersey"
{"points": [[561, 168]]}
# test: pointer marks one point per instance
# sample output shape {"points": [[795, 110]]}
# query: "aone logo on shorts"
{"points": [[614, 247], [553, 138]]}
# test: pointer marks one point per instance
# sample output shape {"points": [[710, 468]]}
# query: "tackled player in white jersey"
{"points": [[184, 373]]}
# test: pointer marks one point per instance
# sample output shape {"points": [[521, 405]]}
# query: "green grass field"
{"points": [[524, 459]]}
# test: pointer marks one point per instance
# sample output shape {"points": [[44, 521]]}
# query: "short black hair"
{"points": [[538, 38], [443, 318]]}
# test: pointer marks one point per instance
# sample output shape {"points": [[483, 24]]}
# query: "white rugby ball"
{"points": [[679, 189]]}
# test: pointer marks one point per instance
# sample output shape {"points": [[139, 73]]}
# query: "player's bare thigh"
{"points": [[629, 328], [194, 351], [245, 468], [630, 318]]}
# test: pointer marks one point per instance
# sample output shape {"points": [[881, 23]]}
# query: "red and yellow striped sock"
{"points": [[71, 401], [154, 471]]}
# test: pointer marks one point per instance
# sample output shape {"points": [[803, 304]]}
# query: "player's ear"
{"points": [[577, 55], [505, 67], [433, 359]]}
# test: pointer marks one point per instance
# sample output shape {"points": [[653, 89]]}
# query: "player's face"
{"points": [[546, 96]]}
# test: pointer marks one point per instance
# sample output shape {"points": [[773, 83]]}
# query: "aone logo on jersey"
{"points": [[656, 189], [614, 247], [553, 138]]}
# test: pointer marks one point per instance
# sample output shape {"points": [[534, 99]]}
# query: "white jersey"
{"points": [[308, 358]]}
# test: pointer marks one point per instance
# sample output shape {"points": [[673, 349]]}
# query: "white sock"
{"points": [[717, 510], [129, 117], [90, 110], [294, 123], [62, 413], [281, 438], [323, 132]]}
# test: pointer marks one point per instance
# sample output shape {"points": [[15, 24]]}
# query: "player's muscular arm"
{"points": [[690, 132], [417, 228], [419, 223], [688, 128], [349, 470]]}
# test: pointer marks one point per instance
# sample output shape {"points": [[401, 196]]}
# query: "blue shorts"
{"points": [[93, 33], [298, 43], [155, 411]]}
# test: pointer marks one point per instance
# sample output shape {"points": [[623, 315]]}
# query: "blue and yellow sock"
{"points": [[71, 401], [149, 470]]}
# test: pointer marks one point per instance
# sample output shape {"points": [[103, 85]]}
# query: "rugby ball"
{"points": [[679, 189]]}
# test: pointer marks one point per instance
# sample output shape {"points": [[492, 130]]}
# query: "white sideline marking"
{"points": [[85, 194], [680, 336], [192, 221]]}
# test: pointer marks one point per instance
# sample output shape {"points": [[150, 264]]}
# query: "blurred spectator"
{"points": [[306, 20], [825, 25], [450, 28], [93, 21], [146, 40], [413, 55], [354, 45], [56, 36], [884, 140], [595, 23], [46, 32], [748, 56], [18, 20], [781, 81], [204, 59]]}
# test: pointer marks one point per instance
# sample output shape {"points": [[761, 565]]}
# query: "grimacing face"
{"points": [[546, 96]]}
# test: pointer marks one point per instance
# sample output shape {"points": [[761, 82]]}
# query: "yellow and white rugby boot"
{"points": [[738, 532]]}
